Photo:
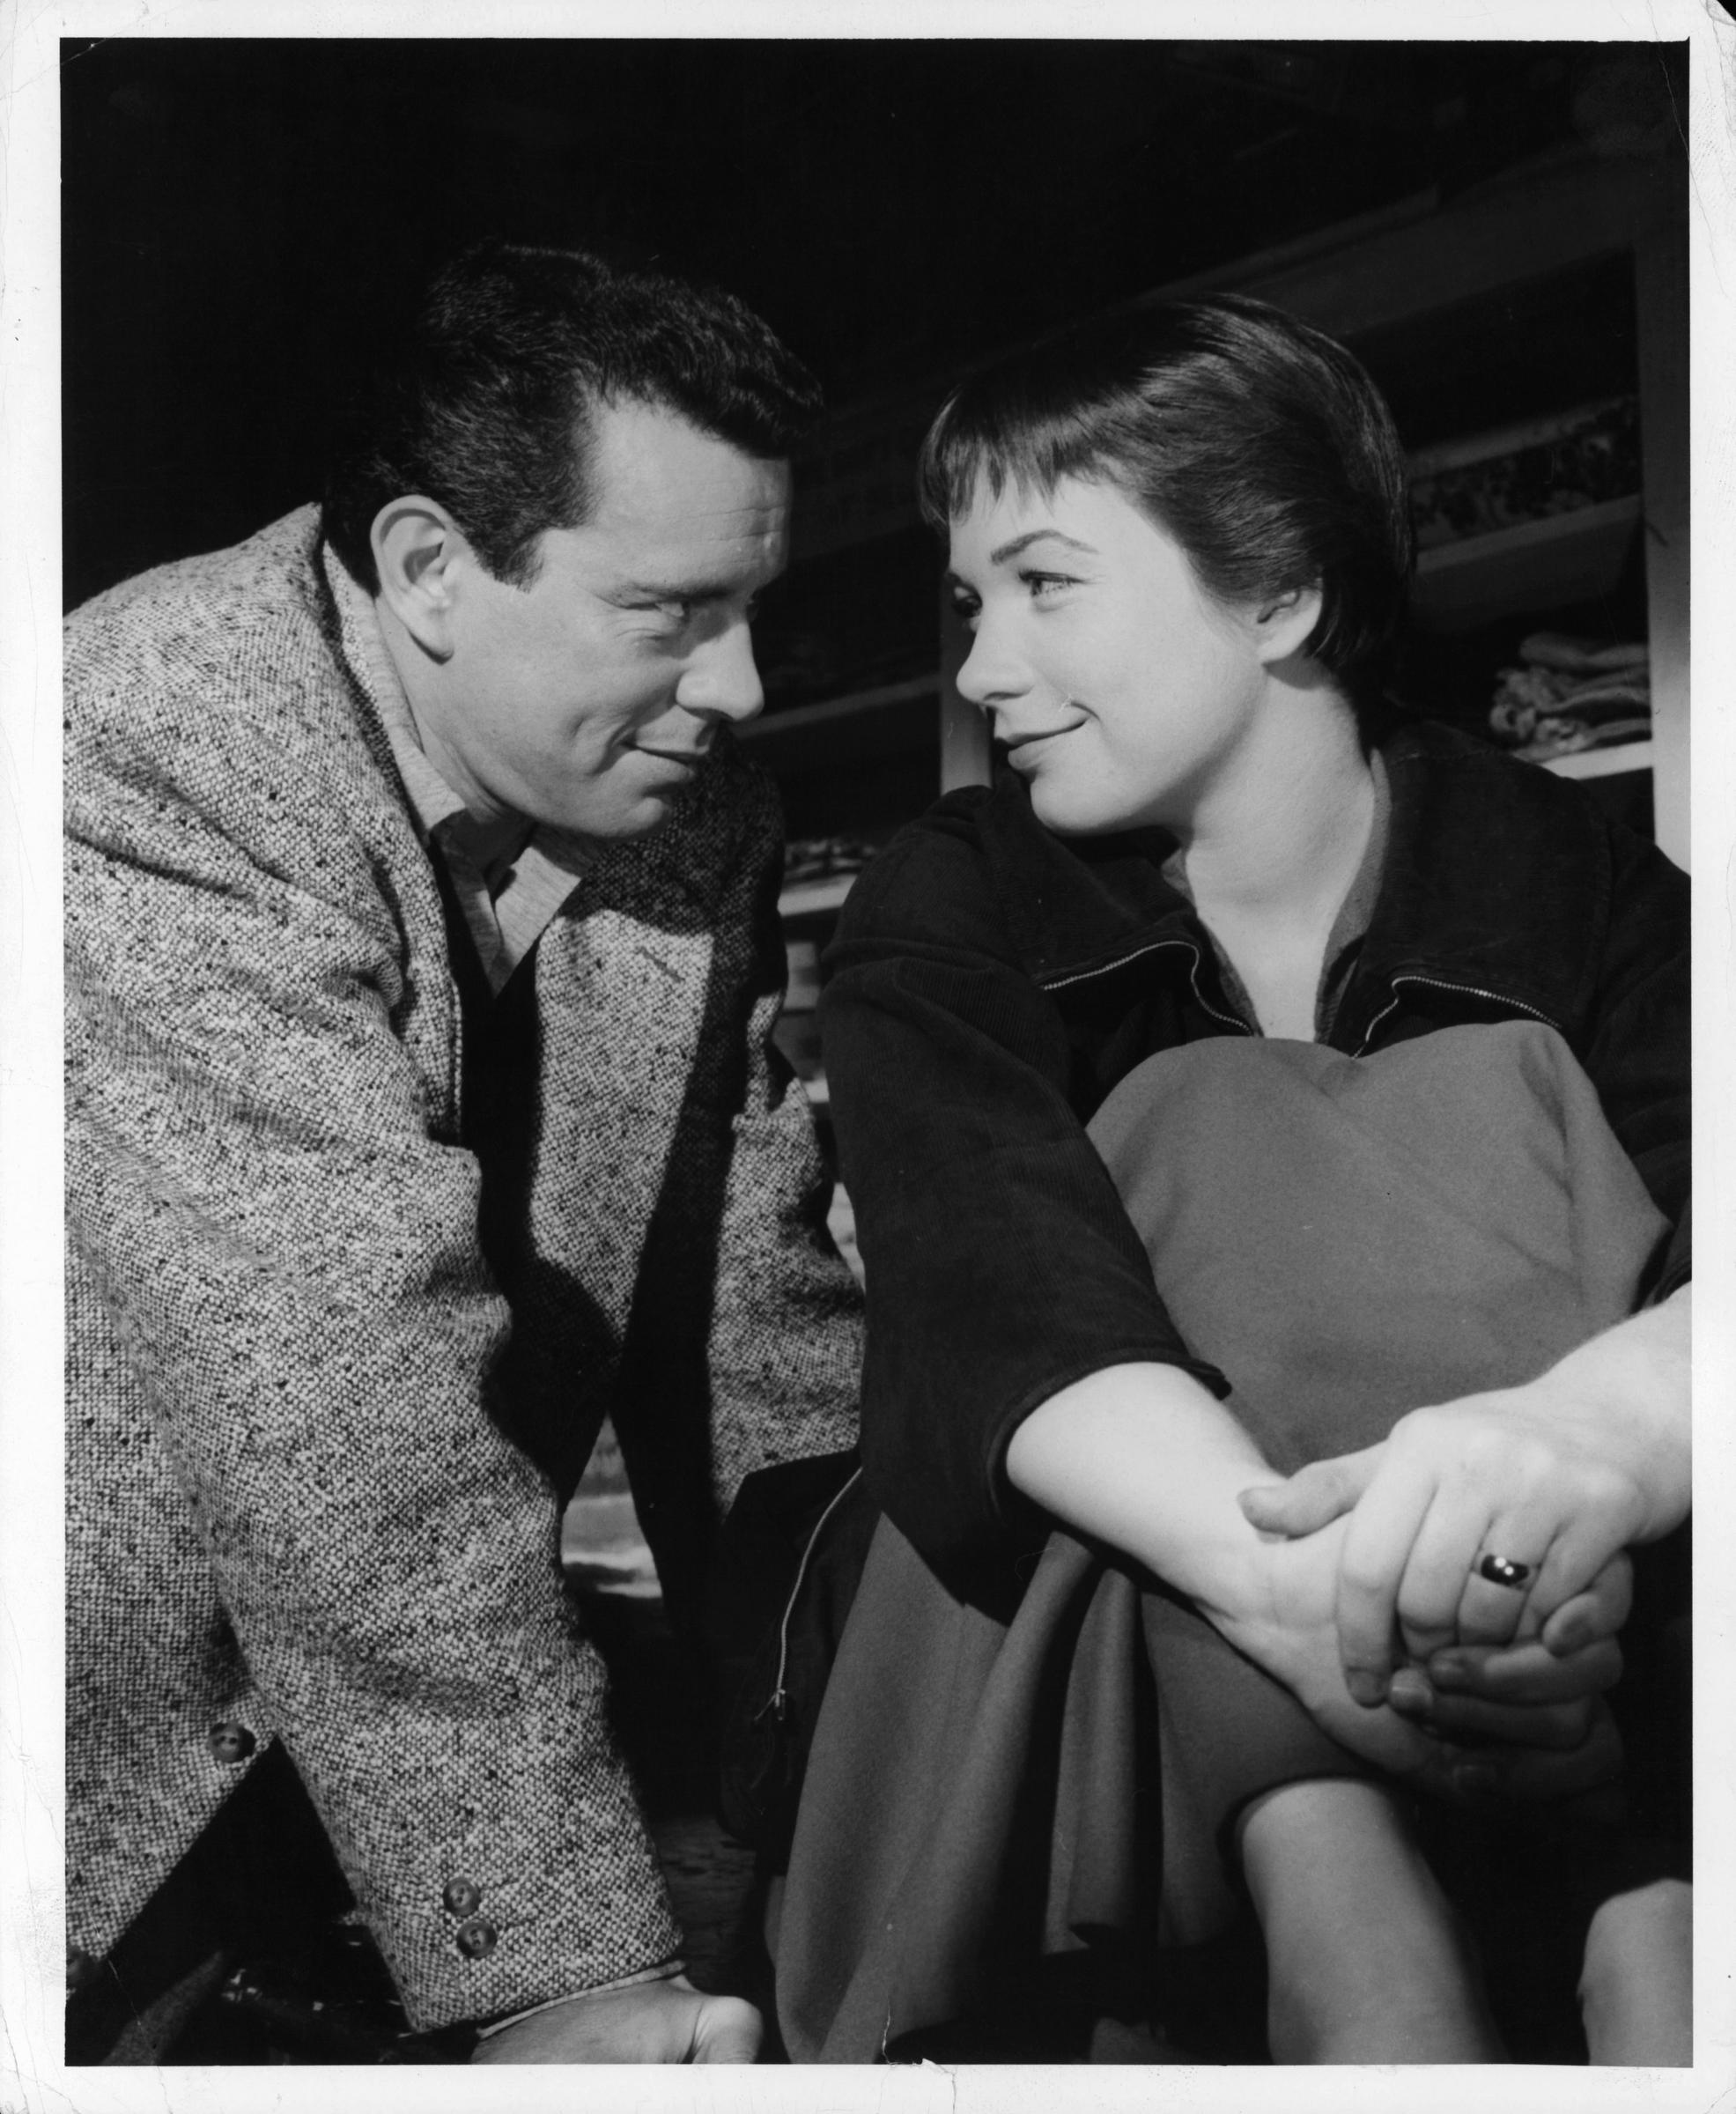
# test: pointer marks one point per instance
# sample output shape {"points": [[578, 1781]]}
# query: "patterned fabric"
{"points": [[314, 1284]]}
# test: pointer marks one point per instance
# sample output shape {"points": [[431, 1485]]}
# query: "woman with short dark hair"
{"points": [[1244, 1082]]}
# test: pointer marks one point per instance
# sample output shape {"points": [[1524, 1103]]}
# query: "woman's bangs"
{"points": [[972, 446]]}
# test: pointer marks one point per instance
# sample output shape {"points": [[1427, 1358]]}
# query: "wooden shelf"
{"points": [[1602, 763], [829, 711], [848, 734], [1469, 451], [1532, 566]]}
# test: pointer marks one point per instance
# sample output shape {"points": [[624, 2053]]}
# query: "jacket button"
{"points": [[477, 1938], [82, 1968], [462, 1896], [231, 1742]]}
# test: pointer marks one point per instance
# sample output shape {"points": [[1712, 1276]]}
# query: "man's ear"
{"points": [[1284, 623], [420, 551]]}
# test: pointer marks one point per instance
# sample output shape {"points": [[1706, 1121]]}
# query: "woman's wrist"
{"points": [[1263, 1613], [1145, 1458]]}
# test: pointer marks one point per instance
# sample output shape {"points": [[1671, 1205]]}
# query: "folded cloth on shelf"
{"points": [[1565, 734], [1570, 694]]}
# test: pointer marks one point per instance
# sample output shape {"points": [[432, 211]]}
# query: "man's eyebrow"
{"points": [[674, 590], [685, 591]]}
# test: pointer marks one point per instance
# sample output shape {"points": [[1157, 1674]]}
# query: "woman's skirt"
{"points": [[1347, 1239]]}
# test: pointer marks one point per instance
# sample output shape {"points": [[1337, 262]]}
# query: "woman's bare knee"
{"points": [[1636, 1986]]}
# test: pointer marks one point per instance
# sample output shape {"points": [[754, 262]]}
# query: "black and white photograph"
{"points": [[857, 963]]}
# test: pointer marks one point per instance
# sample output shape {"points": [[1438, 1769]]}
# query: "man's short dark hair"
{"points": [[1258, 442], [486, 403]]}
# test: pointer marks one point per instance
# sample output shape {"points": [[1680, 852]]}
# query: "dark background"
{"points": [[238, 213]]}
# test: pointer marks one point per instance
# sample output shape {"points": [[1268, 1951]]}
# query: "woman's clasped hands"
{"points": [[1448, 1602]]}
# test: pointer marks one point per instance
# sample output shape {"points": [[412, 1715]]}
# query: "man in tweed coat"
{"points": [[422, 955]]}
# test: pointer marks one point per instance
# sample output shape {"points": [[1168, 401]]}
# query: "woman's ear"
{"points": [[1284, 623], [418, 550]]}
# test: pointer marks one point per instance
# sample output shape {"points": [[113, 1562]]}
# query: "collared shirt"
{"points": [[1349, 927], [511, 881]]}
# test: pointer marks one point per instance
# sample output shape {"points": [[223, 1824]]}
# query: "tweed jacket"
{"points": [[348, 1293]]}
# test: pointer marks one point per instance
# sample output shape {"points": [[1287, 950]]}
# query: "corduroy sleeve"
{"points": [[284, 1239], [1639, 1045], [1001, 1265]]}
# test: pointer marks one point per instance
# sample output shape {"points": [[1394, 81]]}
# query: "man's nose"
{"points": [[722, 680]]}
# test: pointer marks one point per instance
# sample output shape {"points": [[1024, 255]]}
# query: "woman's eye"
{"points": [[966, 607], [1044, 585]]}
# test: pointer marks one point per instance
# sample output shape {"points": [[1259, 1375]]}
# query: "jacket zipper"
{"points": [[776, 1702], [1084, 976], [1438, 983], [1435, 983]]}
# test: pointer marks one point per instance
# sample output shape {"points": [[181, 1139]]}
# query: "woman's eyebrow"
{"points": [[1003, 551]]}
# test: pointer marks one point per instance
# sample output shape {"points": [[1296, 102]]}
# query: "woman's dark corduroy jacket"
{"points": [[990, 984]]}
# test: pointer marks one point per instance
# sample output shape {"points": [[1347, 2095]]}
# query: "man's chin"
{"points": [[643, 816]]}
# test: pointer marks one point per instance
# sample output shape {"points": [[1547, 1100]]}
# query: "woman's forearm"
{"points": [[1145, 1458]]}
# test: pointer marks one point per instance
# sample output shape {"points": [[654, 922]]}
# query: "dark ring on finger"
{"points": [[1502, 1570]]}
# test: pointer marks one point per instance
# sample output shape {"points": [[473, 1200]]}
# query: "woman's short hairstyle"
{"points": [[486, 400], [1258, 443]]}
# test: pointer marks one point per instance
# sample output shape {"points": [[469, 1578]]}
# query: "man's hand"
{"points": [[1519, 1722], [1542, 1692], [668, 2021]]}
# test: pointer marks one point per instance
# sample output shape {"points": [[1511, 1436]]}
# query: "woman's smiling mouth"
{"points": [[1024, 747]]}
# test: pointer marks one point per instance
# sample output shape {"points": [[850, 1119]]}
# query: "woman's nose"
{"points": [[990, 674]]}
